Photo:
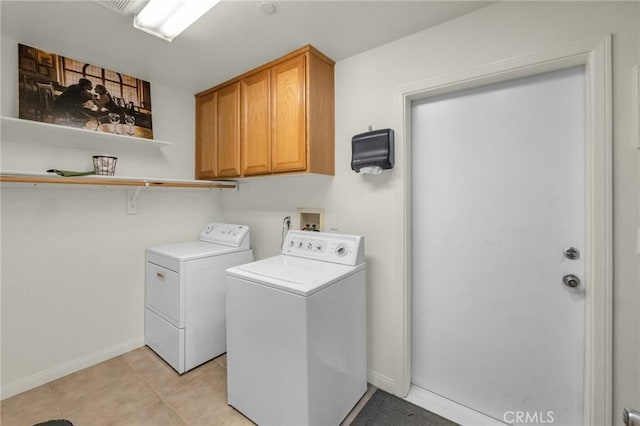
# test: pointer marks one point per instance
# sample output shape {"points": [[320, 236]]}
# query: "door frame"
{"points": [[595, 56]]}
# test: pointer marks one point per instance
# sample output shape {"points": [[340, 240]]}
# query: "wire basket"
{"points": [[104, 165]]}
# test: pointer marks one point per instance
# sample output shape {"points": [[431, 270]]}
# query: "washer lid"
{"points": [[192, 250], [293, 274]]}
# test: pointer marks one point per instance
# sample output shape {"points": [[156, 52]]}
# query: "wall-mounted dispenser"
{"points": [[371, 152]]}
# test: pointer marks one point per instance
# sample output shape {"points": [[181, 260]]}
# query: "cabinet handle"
{"points": [[160, 276]]}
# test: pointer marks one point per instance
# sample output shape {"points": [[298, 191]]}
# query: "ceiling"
{"points": [[233, 37]]}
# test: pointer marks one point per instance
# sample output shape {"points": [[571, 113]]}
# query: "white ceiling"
{"points": [[232, 38]]}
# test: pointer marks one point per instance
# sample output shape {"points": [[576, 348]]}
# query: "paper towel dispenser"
{"points": [[371, 152]]}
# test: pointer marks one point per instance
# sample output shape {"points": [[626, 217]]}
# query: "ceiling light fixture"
{"points": [[168, 18]]}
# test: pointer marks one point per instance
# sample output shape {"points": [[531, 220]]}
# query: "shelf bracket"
{"points": [[132, 198]]}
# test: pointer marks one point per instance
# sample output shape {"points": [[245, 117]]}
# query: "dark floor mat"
{"points": [[384, 409]]}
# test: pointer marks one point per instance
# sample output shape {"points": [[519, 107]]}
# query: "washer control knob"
{"points": [[341, 250]]}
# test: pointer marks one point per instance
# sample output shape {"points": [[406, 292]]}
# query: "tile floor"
{"points": [[135, 389]]}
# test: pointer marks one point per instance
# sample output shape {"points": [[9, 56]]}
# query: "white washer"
{"points": [[296, 332], [185, 319]]}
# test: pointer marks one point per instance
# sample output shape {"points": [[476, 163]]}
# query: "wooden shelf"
{"points": [[112, 181], [18, 130]]}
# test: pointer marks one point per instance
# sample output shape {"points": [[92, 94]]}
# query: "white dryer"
{"points": [[185, 320], [296, 332]]}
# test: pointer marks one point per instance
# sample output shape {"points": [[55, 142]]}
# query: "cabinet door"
{"points": [[205, 136], [228, 131], [289, 115], [256, 124]]}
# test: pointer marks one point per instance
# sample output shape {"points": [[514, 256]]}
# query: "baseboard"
{"points": [[381, 381], [448, 409], [67, 368]]}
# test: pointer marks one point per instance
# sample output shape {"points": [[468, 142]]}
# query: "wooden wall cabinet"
{"points": [[278, 118], [289, 116], [256, 124], [218, 133], [205, 135], [227, 140]]}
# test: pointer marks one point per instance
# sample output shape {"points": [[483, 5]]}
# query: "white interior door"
{"points": [[498, 193]]}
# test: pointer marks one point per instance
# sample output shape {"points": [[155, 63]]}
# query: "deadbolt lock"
{"points": [[571, 253]]}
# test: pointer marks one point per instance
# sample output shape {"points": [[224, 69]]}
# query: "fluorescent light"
{"points": [[168, 18]]}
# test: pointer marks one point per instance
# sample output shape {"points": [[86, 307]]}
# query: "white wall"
{"points": [[366, 90], [72, 259], [73, 273]]}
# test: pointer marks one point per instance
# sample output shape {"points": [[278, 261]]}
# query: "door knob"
{"points": [[571, 281], [630, 417]]}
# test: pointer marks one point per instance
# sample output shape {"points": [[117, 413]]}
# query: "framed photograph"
{"points": [[70, 92]]}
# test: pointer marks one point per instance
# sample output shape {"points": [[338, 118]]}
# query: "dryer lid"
{"points": [[294, 274]]}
